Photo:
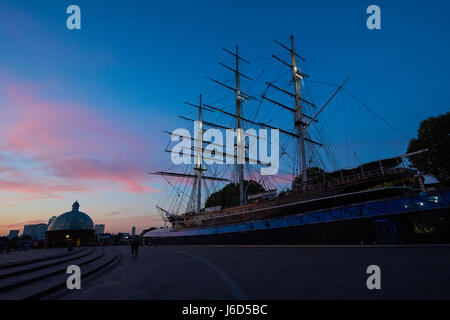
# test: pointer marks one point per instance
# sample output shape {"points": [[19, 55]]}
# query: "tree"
{"points": [[433, 135], [229, 195], [314, 174]]}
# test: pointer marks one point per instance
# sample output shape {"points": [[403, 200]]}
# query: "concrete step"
{"points": [[57, 284], [41, 264], [24, 261], [88, 274], [34, 279]]}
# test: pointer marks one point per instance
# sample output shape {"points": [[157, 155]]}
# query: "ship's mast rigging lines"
{"points": [[239, 97], [298, 110], [301, 120], [198, 180], [194, 203]]}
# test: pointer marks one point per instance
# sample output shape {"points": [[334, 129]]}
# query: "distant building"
{"points": [[51, 220], [125, 234], [133, 231], [35, 231], [13, 233], [99, 228]]}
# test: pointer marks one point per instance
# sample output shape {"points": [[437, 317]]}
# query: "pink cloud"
{"points": [[59, 127], [112, 171], [65, 148], [39, 190]]}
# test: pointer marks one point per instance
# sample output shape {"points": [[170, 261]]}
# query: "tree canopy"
{"points": [[313, 173], [433, 135], [229, 195]]}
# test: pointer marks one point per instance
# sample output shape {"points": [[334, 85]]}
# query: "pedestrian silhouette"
{"points": [[134, 247]]}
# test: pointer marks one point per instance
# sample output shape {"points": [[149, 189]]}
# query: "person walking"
{"points": [[136, 250], [134, 247]]}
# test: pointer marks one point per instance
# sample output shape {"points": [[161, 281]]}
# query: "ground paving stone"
{"points": [[272, 273]]}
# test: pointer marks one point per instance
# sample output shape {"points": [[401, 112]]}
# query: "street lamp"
{"points": [[245, 191]]}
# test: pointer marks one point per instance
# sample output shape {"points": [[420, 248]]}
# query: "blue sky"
{"points": [[109, 88]]}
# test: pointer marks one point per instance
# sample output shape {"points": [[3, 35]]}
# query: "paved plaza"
{"points": [[270, 273]]}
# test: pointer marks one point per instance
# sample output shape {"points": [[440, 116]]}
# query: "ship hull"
{"points": [[424, 218], [282, 207]]}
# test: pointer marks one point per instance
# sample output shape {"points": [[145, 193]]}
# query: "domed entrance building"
{"points": [[73, 227]]}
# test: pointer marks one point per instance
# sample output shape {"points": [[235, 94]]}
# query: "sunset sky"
{"points": [[81, 112]]}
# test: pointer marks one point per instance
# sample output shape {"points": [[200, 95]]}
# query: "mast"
{"points": [[198, 159], [298, 122], [299, 116], [240, 167], [240, 145]]}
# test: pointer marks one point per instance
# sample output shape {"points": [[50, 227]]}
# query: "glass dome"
{"points": [[72, 220]]}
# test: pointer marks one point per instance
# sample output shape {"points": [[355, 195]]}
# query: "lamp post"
{"points": [[245, 192]]}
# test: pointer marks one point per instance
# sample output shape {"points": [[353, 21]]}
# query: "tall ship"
{"points": [[215, 199]]}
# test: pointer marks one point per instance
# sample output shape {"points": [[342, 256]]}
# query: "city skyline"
{"points": [[22, 231], [76, 105]]}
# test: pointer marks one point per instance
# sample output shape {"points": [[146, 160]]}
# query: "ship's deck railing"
{"points": [[367, 175], [320, 183]]}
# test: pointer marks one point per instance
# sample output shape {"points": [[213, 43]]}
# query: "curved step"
{"points": [[30, 267], [88, 272], [9, 287], [28, 261]]}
